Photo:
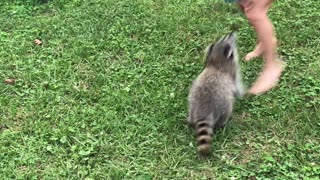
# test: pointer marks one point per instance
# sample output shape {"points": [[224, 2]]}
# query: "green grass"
{"points": [[105, 95]]}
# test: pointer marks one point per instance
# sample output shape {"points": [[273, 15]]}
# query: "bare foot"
{"points": [[258, 50], [268, 78], [255, 53]]}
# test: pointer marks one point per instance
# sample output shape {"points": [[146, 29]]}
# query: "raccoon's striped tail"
{"points": [[204, 132]]}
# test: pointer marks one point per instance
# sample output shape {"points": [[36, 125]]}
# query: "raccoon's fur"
{"points": [[212, 94]]}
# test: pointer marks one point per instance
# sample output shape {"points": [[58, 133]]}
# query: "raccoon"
{"points": [[212, 93]]}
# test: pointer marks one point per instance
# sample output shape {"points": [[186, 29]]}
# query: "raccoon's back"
{"points": [[212, 88]]}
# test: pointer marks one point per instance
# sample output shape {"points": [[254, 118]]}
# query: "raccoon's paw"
{"points": [[189, 119], [241, 91], [238, 94], [219, 126], [189, 122]]}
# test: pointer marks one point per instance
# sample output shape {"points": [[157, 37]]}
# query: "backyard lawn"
{"points": [[98, 90]]}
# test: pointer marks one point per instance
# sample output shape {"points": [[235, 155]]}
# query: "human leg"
{"points": [[256, 13]]}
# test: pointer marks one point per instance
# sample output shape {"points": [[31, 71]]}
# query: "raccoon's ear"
{"points": [[209, 50], [228, 52]]}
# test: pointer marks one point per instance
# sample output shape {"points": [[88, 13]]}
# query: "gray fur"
{"points": [[212, 93]]}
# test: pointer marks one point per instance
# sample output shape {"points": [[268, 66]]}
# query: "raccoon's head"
{"points": [[223, 53]]}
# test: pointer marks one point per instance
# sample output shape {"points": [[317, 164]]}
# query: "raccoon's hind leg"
{"points": [[190, 118], [223, 119]]}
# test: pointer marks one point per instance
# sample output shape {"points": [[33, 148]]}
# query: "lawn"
{"points": [[102, 93]]}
